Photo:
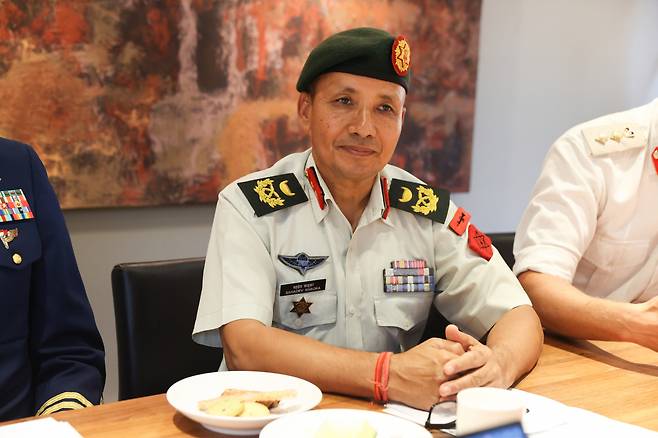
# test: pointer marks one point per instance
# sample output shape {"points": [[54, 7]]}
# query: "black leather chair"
{"points": [[504, 242], [436, 323], [155, 306]]}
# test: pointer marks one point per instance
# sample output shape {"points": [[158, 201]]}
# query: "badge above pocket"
{"points": [[20, 244]]}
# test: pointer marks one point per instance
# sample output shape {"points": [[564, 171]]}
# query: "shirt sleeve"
{"points": [[560, 220], [475, 293], [239, 280], [66, 349]]}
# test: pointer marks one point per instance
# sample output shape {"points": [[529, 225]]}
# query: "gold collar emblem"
{"points": [[427, 201], [7, 236], [267, 194]]}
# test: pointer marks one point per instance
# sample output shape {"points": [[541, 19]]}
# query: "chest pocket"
{"points": [[322, 310], [405, 310], [608, 266], [24, 249]]}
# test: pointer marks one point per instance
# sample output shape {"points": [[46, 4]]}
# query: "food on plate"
{"points": [[333, 430], [254, 409], [241, 403], [270, 399], [226, 406]]}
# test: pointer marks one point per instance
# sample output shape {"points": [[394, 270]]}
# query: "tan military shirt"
{"points": [[344, 302]]}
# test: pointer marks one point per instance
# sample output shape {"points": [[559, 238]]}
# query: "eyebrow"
{"points": [[384, 96]]}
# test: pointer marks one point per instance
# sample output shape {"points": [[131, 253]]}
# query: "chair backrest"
{"points": [[436, 322], [504, 243], [155, 306]]}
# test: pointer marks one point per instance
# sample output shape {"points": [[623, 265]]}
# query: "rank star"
{"points": [[301, 307]]}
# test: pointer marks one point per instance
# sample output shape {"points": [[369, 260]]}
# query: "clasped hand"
{"points": [[437, 369]]}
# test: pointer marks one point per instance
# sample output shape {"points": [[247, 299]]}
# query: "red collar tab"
{"points": [[387, 202], [654, 158], [315, 184]]}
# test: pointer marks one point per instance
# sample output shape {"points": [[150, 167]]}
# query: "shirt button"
{"points": [[17, 258], [298, 322]]}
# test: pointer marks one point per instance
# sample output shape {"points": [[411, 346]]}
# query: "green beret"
{"points": [[365, 52]]}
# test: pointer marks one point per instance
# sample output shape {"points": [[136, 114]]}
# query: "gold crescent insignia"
{"points": [[283, 185], [406, 195]]}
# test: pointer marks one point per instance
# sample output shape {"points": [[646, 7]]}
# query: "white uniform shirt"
{"points": [[243, 276], [593, 216]]}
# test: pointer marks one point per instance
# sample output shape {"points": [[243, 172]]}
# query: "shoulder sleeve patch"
{"points": [[273, 193], [615, 137], [419, 199], [460, 221], [479, 242]]}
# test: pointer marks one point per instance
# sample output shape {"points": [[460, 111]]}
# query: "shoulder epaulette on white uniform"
{"points": [[272, 193], [615, 137]]}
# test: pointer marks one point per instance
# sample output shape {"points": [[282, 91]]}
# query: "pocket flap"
{"points": [[322, 310], [403, 310]]}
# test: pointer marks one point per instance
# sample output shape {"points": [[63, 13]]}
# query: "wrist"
{"points": [[508, 366], [393, 378], [632, 321]]}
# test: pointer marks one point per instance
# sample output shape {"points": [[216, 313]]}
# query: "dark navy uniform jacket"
{"points": [[51, 354]]}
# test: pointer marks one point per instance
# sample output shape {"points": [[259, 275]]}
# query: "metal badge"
{"points": [[302, 262], [6, 236], [301, 307]]}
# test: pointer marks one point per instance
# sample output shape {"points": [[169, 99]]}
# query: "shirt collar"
{"points": [[376, 209]]}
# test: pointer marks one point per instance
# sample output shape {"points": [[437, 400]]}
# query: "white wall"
{"points": [[544, 66]]}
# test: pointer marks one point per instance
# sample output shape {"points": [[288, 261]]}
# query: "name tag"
{"points": [[302, 287]]}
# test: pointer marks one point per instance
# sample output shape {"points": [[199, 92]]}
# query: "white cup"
{"points": [[484, 408]]}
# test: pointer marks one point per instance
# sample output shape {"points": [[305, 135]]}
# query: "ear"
{"points": [[404, 113], [304, 108]]}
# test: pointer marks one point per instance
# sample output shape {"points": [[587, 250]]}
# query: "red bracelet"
{"points": [[383, 390], [381, 376], [378, 370]]}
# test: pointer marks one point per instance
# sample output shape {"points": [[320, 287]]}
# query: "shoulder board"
{"points": [[419, 199], [272, 193], [617, 137]]}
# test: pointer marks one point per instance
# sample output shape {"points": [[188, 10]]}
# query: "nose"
{"points": [[362, 124]]}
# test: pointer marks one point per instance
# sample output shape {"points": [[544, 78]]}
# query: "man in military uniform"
{"points": [[323, 263], [51, 354], [587, 245]]}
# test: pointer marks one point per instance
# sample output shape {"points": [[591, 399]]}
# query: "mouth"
{"points": [[357, 150]]}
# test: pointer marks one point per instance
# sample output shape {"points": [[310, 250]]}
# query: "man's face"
{"points": [[354, 123]]}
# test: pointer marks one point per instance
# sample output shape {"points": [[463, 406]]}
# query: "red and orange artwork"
{"points": [[144, 102]]}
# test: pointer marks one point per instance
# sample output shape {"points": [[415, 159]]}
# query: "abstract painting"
{"points": [[138, 102]]}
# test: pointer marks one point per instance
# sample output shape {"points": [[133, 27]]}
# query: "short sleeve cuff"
{"points": [[206, 328], [483, 321], [546, 259]]}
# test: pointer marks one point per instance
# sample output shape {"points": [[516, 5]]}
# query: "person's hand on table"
{"points": [[478, 366], [416, 375]]}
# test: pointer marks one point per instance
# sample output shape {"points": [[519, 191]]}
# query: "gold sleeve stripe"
{"points": [[75, 396], [61, 405]]}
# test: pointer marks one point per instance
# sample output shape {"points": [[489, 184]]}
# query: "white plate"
{"points": [[186, 394], [306, 424]]}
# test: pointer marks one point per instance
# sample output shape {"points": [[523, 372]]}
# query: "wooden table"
{"points": [[618, 380]]}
